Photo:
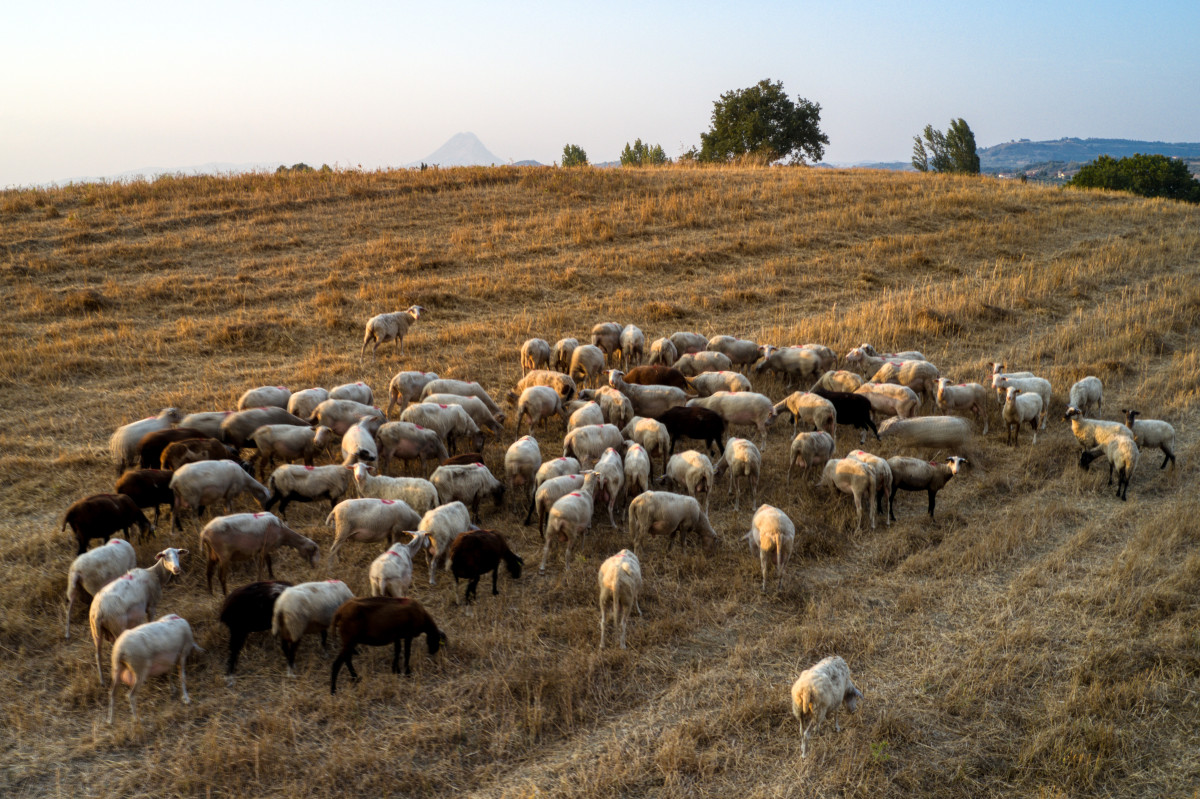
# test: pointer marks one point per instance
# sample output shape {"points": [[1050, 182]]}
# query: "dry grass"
{"points": [[1040, 638]]}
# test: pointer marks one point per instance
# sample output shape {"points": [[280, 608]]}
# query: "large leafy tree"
{"points": [[1147, 175], [574, 155], [639, 154], [952, 151], [762, 120]]}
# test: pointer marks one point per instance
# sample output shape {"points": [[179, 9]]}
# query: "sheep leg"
{"points": [[602, 622], [932, 501], [183, 694], [237, 640], [779, 567], [407, 650], [209, 568], [763, 560], [472, 589], [1168, 455], [270, 569], [289, 652], [72, 590], [112, 693], [99, 671], [396, 645], [495, 577]]}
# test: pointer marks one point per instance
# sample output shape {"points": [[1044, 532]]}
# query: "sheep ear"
{"points": [[181, 552]]}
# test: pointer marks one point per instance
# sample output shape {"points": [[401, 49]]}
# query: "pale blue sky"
{"points": [[93, 88]]}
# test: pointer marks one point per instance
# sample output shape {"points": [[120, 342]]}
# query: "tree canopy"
{"points": [[643, 154], [762, 120], [574, 155], [1147, 175], [952, 151]]}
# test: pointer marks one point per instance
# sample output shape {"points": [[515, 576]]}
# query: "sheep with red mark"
{"points": [[197, 485], [772, 533], [637, 469], [649, 401], [741, 408], [570, 517], [840, 380], [369, 521], [961, 398], [357, 391], [391, 574], [149, 650], [819, 690], [741, 352], [587, 444], [303, 403], [584, 413], [548, 493], [102, 515], [475, 553], [690, 471], [386, 327], [306, 609], [442, 525], [664, 513], [95, 569], [124, 441], [467, 484], [633, 346], [810, 451], [743, 461], [476, 408], [246, 610], [379, 621], [462, 388], [521, 463], [694, 363], [408, 441], [294, 483], [236, 428], [406, 387], [555, 467], [249, 536], [451, 422], [539, 403], [620, 579], [288, 443], [560, 354], [339, 415], [663, 352], [417, 492], [815, 411], [265, 396]]}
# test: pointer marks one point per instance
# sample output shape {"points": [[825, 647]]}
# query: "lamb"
{"points": [[391, 573], [611, 468], [535, 354], [1021, 407], [587, 412], [1152, 433], [199, 484], [841, 380], [539, 403], [477, 552], [561, 352], [708, 383], [464, 388], [562, 383], [771, 531], [476, 408], [663, 352], [151, 447], [369, 521], [305, 609], [823, 688], [418, 493], [883, 479], [963, 397], [587, 444], [130, 599], [442, 525], [358, 445], [93, 570], [934, 432], [794, 363], [741, 408], [249, 536], [148, 488], [657, 375], [740, 352], [914, 474], [852, 409], [408, 441], [246, 610], [570, 518], [148, 650], [920, 376], [406, 387], [265, 396], [387, 327], [303, 403], [1035, 385], [693, 363], [339, 415], [236, 428], [815, 411], [620, 579], [124, 441], [289, 484], [450, 421], [811, 451], [698, 424], [651, 434], [587, 362], [687, 343], [207, 422], [467, 484], [633, 346], [1087, 392], [289, 443], [379, 621], [102, 515], [194, 450], [637, 469], [664, 513], [888, 399], [692, 471], [521, 463], [856, 479], [1122, 453], [1093, 432], [741, 459], [649, 401], [548, 493]]}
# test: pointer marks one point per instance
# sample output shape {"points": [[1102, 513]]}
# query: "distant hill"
{"points": [[463, 149], [1021, 154]]}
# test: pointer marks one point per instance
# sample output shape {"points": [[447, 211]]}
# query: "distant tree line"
{"points": [[1147, 175]]}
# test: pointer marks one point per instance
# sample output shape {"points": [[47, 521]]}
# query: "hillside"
{"points": [[1015, 155], [1039, 638]]}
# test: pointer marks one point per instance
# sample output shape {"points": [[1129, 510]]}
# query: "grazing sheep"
{"points": [[477, 552], [359, 392], [561, 352], [606, 336], [539, 403], [562, 383], [587, 362], [708, 383], [305, 609], [664, 513], [649, 401], [1122, 453], [265, 396], [862, 359], [741, 408], [587, 444], [687, 343], [124, 441], [920, 376], [379, 621], [637, 469], [815, 411], [1021, 407], [148, 650], [1094, 432], [391, 574], [883, 479], [693, 363], [826, 358], [741, 352], [246, 610], [569, 518], [102, 515], [963, 397], [450, 421], [207, 482], [148, 488], [651, 434], [856, 479], [741, 459], [548, 493], [611, 468], [442, 525], [288, 443], [823, 688], [339, 415], [289, 484], [358, 445], [1152, 433], [663, 352], [811, 451], [620, 579], [535, 354], [1034, 385], [194, 450], [633, 346], [841, 380], [207, 422], [933, 432], [418, 493], [697, 424], [387, 327], [521, 463], [692, 471], [150, 448], [463, 388], [587, 413], [657, 375], [467, 484], [236, 428], [406, 387], [93, 570], [615, 406], [303, 403], [476, 408], [1085, 393], [889, 399], [907, 355], [369, 521], [852, 409], [771, 531], [249, 536], [407, 441], [914, 474], [555, 468], [797, 365]]}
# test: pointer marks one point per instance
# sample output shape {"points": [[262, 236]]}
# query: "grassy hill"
{"points": [[1039, 638]]}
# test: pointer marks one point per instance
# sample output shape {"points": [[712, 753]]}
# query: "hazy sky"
{"points": [[100, 88]]}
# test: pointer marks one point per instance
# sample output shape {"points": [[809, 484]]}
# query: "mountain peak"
{"points": [[462, 149]]}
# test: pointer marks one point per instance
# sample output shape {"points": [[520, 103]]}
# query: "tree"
{"points": [[1147, 175], [952, 151], [574, 155], [762, 120], [643, 155]]}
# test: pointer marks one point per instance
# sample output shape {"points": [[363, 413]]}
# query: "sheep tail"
{"points": [[277, 624]]}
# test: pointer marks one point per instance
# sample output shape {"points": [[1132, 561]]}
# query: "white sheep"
{"points": [[358, 391], [302, 403], [1153, 433], [741, 408], [810, 451], [620, 579], [933, 432], [475, 407], [95, 569], [742, 460], [249, 536], [358, 445], [915, 474], [856, 479], [868, 363], [740, 352], [1093, 432], [611, 467], [407, 441], [236, 428], [562, 383], [207, 422], [417, 492], [841, 380], [691, 471], [539, 403], [290, 483], [561, 352], [819, 690], [649, 401], [889, 399], [687, 343], [369, 521], [693, 363], [826, 357], [606, 336], [920, 376], [1021, 407], [816, 412], [555, 467], [587, 364], [883, 479], [339, 415], [1122, 453], [1035, 385], [998, 371], [907, 355], [587, 412], [386, 327], [615, 406], [391, 574], [664, 513], [305, 609], [569, 518], [443, 524], [633, 346], [1086, 393], [467, 483], [521, 463], [204, 483], [264, 396], [587, 444], [637, 469], [963, 397], [288, 442], [124, 442], [771, 532], [406, 387], [535, 354], [651, 434], [796, 364], [450, 421], [549, 492], [663, 351], [149, 650], [708, 383]]}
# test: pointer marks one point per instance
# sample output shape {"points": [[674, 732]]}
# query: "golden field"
{"points": [[1040, 638]]}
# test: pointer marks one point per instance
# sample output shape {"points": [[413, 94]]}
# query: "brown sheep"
{"points": [[149, 488], [192, 450], [477, 552], [379, 621], [101, 515], [151, 445]]}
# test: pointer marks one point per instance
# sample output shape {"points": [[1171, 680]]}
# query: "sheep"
{"points": [[450, 421], [570, 517], [587, 362], [1036, 385], [406, 387], [124, 441], [963, 397], [934, 432], [246, 610], [475, 553], [1093, 432], [130, 599], [562, 383], [442, 525], [148, 650], [539, 403], [1085, 393], [464, 388], [883, 479], [358, 445], [236, 428], [658, 375], [998, 370], [369, 521], [555, 467], [615, 406], [691, 471], [207, 422], [920, 376], [771, 531], [265, 396], [339, 415], [289, 484], [467, 484], [651, 434], [663, 352], [611, 467], [1122, 453], [914, 474], [740, 352], [707, 383], [889, 399], [698, 424], [854, 478], [687, 343], [305, 609], [101, 515], [841, 380], [418, 493], [1021, 407], [815, 411], [818, 690], [151, 446], [811, 451], [907, 355], [794, 363], [391, 574], [561, 352], [535, 354], [620, 579], [408, 441], [548, 493], [868, 363], [521, 463], [827, 359], [379, 621], [741, 408], [587, 444], [633, 346], [303, 403], [249, 536], [852, 409], [95, 569], [1152, 433], [194, 450], [664, 513], [289, 443], [206, 482], [148, 488], [386, 327], [637, 469], [649, 401], [606, 336], [476, 408], [693, 363], [358, 391], [587, 413], [741, 459]]}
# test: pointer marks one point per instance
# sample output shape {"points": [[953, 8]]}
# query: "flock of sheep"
{"points": [[619, 423]]}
